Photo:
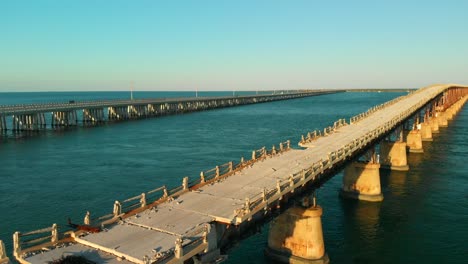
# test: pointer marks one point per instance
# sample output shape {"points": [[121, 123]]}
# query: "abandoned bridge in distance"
{"points": [[203, 214]]}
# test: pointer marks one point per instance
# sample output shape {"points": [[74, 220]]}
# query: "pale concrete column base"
{"points": [[414, 142], [285, 258], [395, 168], [426, 132], [449, 113], [296, 236], [416, 150], [434, 125], [361, 181], [362, 197], [393, 156], [442, 119]]}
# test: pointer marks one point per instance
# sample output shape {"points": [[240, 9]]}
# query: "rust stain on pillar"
{"points": [[296, 237]]}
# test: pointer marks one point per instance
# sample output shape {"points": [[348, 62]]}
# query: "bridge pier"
{"points": [[137, 111], [64, 119], [16, 123], [414, 141], [449, 113], [26, 122], [3, 125], [212, 251], [426, 131], [434, 124], [393, 155], [93, 115], [441, 119], [151, 110], [119, 113], [296, 237], [361, 181]]}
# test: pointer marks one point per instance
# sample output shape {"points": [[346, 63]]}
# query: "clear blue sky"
{"points": [[226, 45]]}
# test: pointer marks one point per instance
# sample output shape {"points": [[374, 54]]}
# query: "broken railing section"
{"points": [[311, 136], [187, 246], [229, 168], [35, 240]]}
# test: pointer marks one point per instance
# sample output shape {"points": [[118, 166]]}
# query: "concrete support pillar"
{"points": [[414, 141], [112, 113], [95, 115], [60, 119], [18, 122], [296, 237], [3, 126], [442, 120], [449, 113], [393, 156], [434, 124], [426, 132], [361, 181], [44, 124], [75, 117], [212, 252]]}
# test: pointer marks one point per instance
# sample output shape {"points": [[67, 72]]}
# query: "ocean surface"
{"points": [[48, 177]]}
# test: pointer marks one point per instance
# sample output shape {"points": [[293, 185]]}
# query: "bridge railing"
{"points": [[129, 205], [156, 196], [262, 199], [185, 246], [316, 134], [373, 109], [107, 102], [35, 240]]}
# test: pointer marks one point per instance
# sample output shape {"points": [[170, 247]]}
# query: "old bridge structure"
{"points": [[194, 220]]}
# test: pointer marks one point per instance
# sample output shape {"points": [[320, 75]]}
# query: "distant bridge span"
{"points": [[199, 217], [34, 117]]}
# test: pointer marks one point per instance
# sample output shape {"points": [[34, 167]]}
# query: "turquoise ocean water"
{"points": [[54, 175]]}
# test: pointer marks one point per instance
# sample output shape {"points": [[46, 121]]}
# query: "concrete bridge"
{"points": [[193, 221], [36, 117]]}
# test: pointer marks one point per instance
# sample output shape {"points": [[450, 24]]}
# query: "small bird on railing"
{"points": [[84, 227]]}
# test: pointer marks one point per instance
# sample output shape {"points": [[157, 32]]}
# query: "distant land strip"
{"points": [[384, 90]]}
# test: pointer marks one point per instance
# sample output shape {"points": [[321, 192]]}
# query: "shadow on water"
{"points": [[361, 228]]}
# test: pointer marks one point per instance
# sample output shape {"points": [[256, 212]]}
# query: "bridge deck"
{"points": [[156, 230], [67, 106]]}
